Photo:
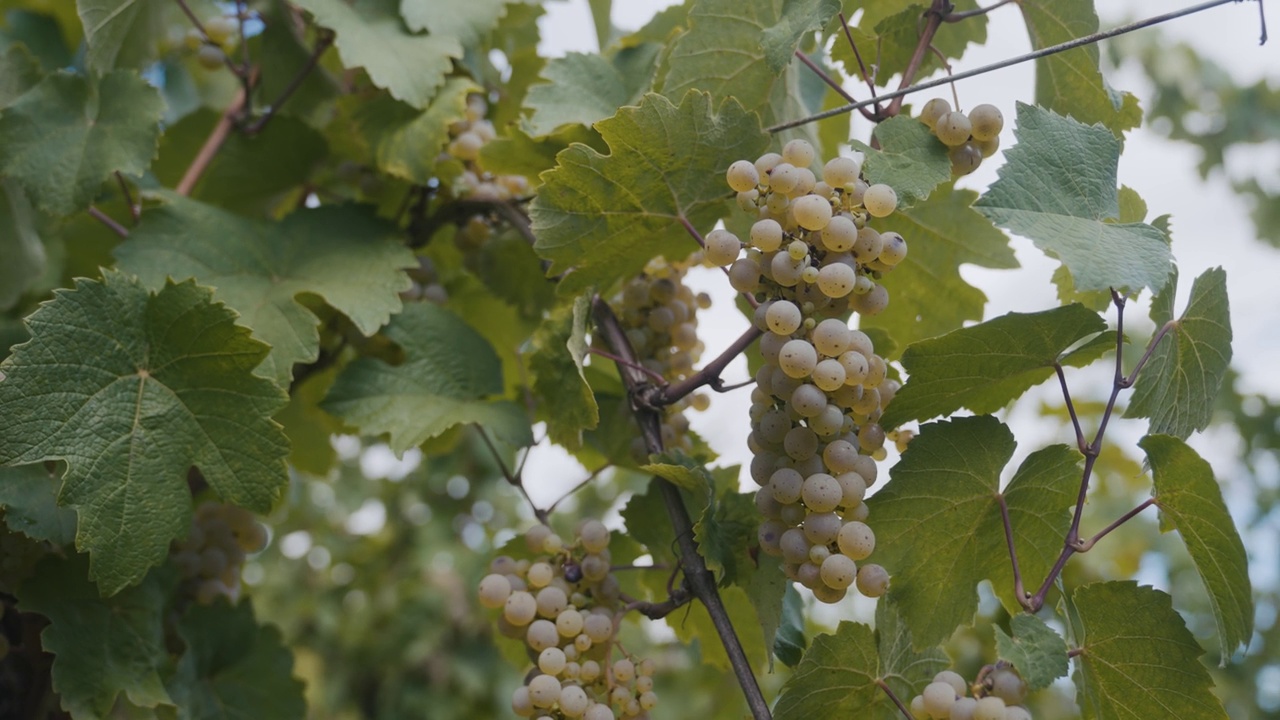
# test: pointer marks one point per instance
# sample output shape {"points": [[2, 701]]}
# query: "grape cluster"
{"points": [[562, 604], [660, 316], [221, 35], [998, 695], [213, 553], [426, 283], [468, 137], [813, 257], [970, 138]]}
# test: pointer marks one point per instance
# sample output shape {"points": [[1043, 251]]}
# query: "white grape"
{"points": [[783, 317], [805, 183], [598, 627], [821, 493], [880, 200], [840, 234], [838, 456], [838, 571], [830, 337], [868, 245], [828, 375], [520, 608], [873, 580], [569, 623], [551, 600], [798, 152], [953, 128], [494, 591], [989, 708], [917, 708], [784, 177], [871, 437], [797, 358], [812, 212], [573, 701], [873, 303], [1008, 685], [855, 366], [987, 121], [540, 573], [836, 280], [829, 422], [764, 164], [963, 709], [809, 400], [795, 546], [766, 235], [786, 272], [933, 111], [520, 703], [599, 711], [722, 247], [801, 443], [840, 171], [965, 158], [821, 528], [742, 176], [938, 698], [856, 540], [1016, 712], [894, 249], [541, 635], [552, 661], [544, 691], [744, 275], [953, 679]]}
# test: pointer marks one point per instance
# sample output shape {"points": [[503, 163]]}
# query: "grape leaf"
{"points": [[67, 134], [517, 153], [20, 245], [780, 614], [789, 640], [309, 428], [1038, 653], [345, 255], [839, 675], [695, 624], [371, 34], [601, 17], [739, 49], [984, 366], [467, 21], [407, 142], [928, 295], [19, 72], [1058, 189], [132, 389], [583, 88], [682, 471], [283, 50], [1138, 659], [726, 529], [103, 648], [120, 33], [29, 496], [1180, 382], [606, 216], [1190, 502], [938, 522], [1070, 82], [565, 400], [910, 159], [448, 373], [233, 667]]}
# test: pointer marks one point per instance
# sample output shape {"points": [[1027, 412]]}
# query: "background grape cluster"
{"points": [[998, 694], [211, 557]]}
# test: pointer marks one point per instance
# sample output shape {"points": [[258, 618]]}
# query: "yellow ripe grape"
{"points": [[783, 317], [838, 571], [798, 152], [766, 235], [987, 121], [742, 176], [988, 147], [797, 359], [953, 128], [494, 591], [868, 245], [812, 212], [873, 580], [809, 275], [856, 540], [836, 280], [722, 247], [544, 691], [894, 250], [933, 110], [880, 200], [831, 337], [840, 234], [764, 164], [840, 171], [828, 375], [784, 177], [805, 183]]}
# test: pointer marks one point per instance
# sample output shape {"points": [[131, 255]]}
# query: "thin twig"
{"points": [[1087, 545], [322, 44], [656, 377], [934, 15], [212, 145], [824, 77], [110, 222], [1018, 589], [958, 16], [896, 701], [235, 68], [1262, 20], [1132, 377], [242, 9], [589, 479], [699, 580], [135, 210], [1035, 55], [1071, 408], [1075, 652], [513, 479], [862, 68], [709, 374]]}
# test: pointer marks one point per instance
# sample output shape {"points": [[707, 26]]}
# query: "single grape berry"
{"points": [[987, 122], [742, 176], [880, 200], [953, 128], [933, 111]]}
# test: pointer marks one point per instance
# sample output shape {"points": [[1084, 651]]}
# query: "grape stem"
{"points": [[515, 479], [822, 75], [934, 15], [906, 713], [1035, 55], [958, 16], [212, 144], [323, 41], [1018, 590], [135, 209], [109, 221], [698, 580], [656, 377], [240, 71], [874, 114], [589, 479], [708, 375], [1072, 543]]}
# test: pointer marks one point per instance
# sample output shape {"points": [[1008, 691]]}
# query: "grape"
{"points": [[648, 700], [965, 158], [852, 489], [540, 573], [828, 375], [830, 337], [989, 708], [821, 528], [838, 571], [953, 128], [871, 437], [917, 708], [786, 272], [783, 317], [551, 600], [221, 28], [868, 245], [794, 545], [963, 709], [987, 121], [797, 358], [827, 423], [798, 250], [894, 250], [821, 493], [573, 701], [938, 698], [840, 171], [855, 366], [800, 443], [552, 661], [1016, 712], [494, 591], [880, 200], [765, 163], [798, 152], [873, 303], [784, 177], [544, 691], [856, 540], [1008, 685], [953, 679], [624, 671], [598, 712], [569, 623], [812, 212], [598, 627], [836, 280], [873, 580], [804, 185], [520, 703], [808, 400], [987, 147], [541, 635], [933, 111], [210, 57], [744, 275], [766, 235], [840, 234], [722, 247], [536, 536], [742, 176], [520, 608], [466, 146], [747, 200]]}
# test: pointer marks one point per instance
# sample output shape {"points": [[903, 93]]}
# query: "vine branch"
{"points": [[862, 68], [1018, 590], [212, 144], [1034, 55], [109, 221], [894, 697], [933, 21], [708, 375], [958, 16], [322, 44], [698, 579]]}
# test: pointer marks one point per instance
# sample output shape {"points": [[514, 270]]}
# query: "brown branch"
{"points": [[933, 21], [824, 77], [862, 68], [513, 479], [589, 479], [958, 16], [698, 579], [1081, 444], [110, 222], [1018, 590], [906, 712], [709, 374], [322, 44], [1132, 377], [1035, 55], [212, 145], [1087, 545]]}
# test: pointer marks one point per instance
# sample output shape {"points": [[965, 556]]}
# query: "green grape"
{"points": [[821, 493], [953, 128], [953, 679], [836, 280], [964, 708], [766, 235], [742, 176], [933, 111], [798, 250], [466, 146], [965, 158], [648, 700], [221, 28], [988, 147], [873, 580], [722, 247], [856, 540], [552, 661], [784, 177], [494, 591], [809, 276], [544, 691], [872, 303], [938, 698], [798, 152], [987, 121], [828, 375], [783, 317], [831, 337], [989, 708], [840, 234], [868, 245], [812, 212], [797, 359], [840, 171], [573, 701], [880, 200], [838, 571]]}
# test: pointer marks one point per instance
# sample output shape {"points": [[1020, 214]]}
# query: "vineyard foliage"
{"points": [[290, 292]]}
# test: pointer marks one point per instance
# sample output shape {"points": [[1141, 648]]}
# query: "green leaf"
{"points": [[984, 366], [1180, 382], [516, 153], [724, 532], [1070, 82], [1138, 660], [1039, 653], [910, 159], [789, 641], [1095, 300], [19, 72], [29, 496], [1190, 502], [779, 612], [583, 88], [695, 624], [938, 522], [839, 675], [467, 21], [601, 12], [342, 254], [233, 667], [889, 41], [606, 216], [448, 374], [309, 428], [1058, 188], [120, 33], [682, 471], [280, 48], [565, 400], [41, 33], [68, 134], [20, 245], [371, 34], [132, 389], [739, 49], [928, 295], [104, 648], [408, 142]]}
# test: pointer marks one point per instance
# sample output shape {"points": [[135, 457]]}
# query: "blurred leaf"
{"points": [[406, 142], [467, 21], [19, 72], [1038, 653], [29, 496], [565, 400], [889, 41], [789, 641], [20, 245], [1058, 188], [309, 428]]}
